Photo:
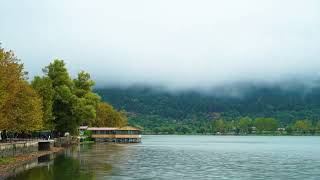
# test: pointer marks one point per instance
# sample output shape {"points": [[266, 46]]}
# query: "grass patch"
{"points": [[87, 142], [7, 160]]}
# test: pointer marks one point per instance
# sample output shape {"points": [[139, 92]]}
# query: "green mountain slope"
{"points": [[154, 109]]}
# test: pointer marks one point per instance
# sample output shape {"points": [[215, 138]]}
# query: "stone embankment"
{"points": [[18, 148], [19, 160], [23, 152], [27, 147]]}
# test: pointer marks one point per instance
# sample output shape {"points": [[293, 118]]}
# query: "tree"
{"points": [[74, 103], [202, 130], [302, 126], [20, 106], [83, 84], [184, 129], [43, 86], [11, 75], [289, 129], [54, 100], [58, 73], [168, 129], [26, 112], [107, 116], [318, 126], [83, 111], [266, 124], [122, 118], [244, 124], [63, 100], [87, 101], [218, 126]]}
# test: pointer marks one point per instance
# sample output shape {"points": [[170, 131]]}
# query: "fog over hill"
{"points": [[177, 45], [286, 103], [241, 89]]}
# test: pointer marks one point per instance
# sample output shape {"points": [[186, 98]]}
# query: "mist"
{"points": [[175, 45]]}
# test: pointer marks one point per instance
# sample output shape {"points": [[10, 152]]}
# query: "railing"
{"points": [[17, 140]]}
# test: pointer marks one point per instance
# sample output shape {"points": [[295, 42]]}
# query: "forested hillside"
{"points": [[192, 111]]}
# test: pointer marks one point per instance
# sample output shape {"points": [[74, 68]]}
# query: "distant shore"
{"points": [[234, 134]]}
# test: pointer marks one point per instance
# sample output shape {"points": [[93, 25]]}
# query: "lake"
{"points": [[187, 157]]}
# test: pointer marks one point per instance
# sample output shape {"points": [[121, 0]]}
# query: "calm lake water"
{"points": [[187, 157]]}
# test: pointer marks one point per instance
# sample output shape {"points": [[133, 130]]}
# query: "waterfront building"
{"points": [[126, 134]]}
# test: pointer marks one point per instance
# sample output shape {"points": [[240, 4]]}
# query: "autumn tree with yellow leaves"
{"points": [[20, 106], [107, 116]]}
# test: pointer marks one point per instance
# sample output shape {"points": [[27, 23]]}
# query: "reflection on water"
{"points": [[73, 163], [62, 168], [187, 157]]}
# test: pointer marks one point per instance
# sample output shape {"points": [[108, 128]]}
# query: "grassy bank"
{"points": [[7, 160]]}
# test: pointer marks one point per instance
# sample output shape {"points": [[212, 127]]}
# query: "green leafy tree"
{"points": [[64, 110], [302, 126], [203, 130], [244, 124], [218, 126], [74, 102], [43, 86], [289, 129], [318, 126], [83, 84], [183, 129], [266, 124], [87, 101], [64, 101], [58, 73]]}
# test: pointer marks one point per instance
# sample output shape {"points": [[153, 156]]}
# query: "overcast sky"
{"points": [[174, 43]]}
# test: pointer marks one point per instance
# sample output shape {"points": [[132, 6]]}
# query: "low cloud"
{"points": [[177, 45]]}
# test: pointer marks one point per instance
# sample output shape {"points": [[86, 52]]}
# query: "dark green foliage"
{"points": [[219, 126], [87, 101], [163, 110], [245, 124], [43, 86], [302, 126], [64, 101], [72, 102], [265, 124]]}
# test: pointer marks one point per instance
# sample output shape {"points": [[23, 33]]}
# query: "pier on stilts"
{"points": [[125, 134]]}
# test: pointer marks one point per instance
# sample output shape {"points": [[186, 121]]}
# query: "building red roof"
{"points": [[101, 128]]}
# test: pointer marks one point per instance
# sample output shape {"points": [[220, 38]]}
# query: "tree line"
{"points": [[52, 102], [246, 125], [239, 126]]}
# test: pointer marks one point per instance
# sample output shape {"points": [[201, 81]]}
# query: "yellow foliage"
{"points": [[107, 116], [20, 106]]}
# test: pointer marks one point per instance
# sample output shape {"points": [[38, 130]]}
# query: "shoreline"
{"points": [[21, 159], [242, 135]]}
